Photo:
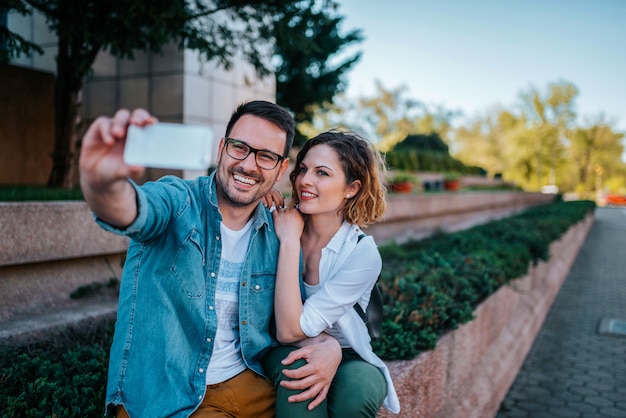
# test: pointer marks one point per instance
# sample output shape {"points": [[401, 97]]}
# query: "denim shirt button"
{"points": [[212, 274], [208, 340], [217, 237], [201, 370], [257, 287], [244, 284], [210, 308], [243, 322]]}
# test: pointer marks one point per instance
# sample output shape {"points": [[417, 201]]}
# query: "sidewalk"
{"points": [[577, 365]]}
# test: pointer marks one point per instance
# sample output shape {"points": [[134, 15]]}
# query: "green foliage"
{"points": [[404, 177], [422, 142], [541, 143], [433, 285], [13, 45], [61, 377], [97, 288], [307, 36], [419, 152], [37, 193]]}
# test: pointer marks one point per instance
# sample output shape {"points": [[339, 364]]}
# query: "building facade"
{"points": [[175, 86]]}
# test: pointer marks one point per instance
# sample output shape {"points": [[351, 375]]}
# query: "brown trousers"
{"points": [[246, 395]]}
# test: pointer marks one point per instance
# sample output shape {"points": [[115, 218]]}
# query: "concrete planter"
{"points": [[47, 251], [471, 369], [420, 215]]}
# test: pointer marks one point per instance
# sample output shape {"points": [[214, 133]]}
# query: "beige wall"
{"points": [[26, 125], [176, 86]]}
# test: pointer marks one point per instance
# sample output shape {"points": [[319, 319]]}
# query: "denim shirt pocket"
{"points": [[261, 298], [189, 264]]}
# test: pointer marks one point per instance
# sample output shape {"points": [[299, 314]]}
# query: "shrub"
{"points": [[433, 285], [62, 377], [37, 193]]}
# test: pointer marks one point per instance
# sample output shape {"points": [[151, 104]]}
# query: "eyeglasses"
{"points": [[239, 150]]}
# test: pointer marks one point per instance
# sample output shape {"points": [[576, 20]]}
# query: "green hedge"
{"points": [[37, 193], [433, 285], [64, 376], [429, 287]]}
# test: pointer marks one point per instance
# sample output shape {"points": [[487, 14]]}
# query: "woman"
{"points": [[337, 189]]}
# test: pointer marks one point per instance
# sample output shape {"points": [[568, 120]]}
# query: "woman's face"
{"points": [[321, 182]]}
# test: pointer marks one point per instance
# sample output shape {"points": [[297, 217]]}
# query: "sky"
{"points": [[474, 55]]}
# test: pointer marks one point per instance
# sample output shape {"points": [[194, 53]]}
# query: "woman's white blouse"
{"points": [[347, 273]]}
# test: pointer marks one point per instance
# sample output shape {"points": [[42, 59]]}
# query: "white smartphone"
{"points": [[169, 145]]}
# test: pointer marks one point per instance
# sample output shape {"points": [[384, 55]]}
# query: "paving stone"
{"points": [[581, 407], [612, 412], [535, 391], [564, 412], [602, 387], [612, 396], [598, 401], [584, 391], [571, 369]]}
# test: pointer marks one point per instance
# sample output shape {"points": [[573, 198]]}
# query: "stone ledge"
{"points": [[418, 216], [472, 368], [35, 232]]}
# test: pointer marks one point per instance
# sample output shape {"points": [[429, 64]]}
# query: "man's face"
{"points": [[243, 183]]}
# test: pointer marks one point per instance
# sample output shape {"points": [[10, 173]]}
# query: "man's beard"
{"points": [[235, 200]]}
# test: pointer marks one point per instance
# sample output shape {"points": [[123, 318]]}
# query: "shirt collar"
{"points": [[345, 234]]}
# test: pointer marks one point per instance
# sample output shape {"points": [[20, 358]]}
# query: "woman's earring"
{"points": [[347, 196]]}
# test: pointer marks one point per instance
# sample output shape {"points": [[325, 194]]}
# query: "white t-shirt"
{"points": [[226, 360]]}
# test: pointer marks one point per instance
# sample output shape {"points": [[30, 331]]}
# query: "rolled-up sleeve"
{"points": [[157, 204]]}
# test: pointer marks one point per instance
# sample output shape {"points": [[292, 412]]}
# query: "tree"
{"points": [[13, 45], [386, 117], [424, 142], [219, 30], [595, 153], [309, 72], [551, 114], [483, 141], [389, 115]]}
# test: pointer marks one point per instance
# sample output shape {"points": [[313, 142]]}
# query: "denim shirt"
{"points": [[166, 321]]}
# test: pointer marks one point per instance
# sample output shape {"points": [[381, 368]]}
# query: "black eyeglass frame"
{"points": [[252, 150]]}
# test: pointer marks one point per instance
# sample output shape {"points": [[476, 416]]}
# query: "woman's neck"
{"points": [[320, 229]]}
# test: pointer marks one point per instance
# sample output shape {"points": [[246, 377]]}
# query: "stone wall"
{"points": [[421, 215], [47, 251], [471, 369]]}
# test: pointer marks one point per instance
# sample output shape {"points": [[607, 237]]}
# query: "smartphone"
{"points": [[169, 145]]}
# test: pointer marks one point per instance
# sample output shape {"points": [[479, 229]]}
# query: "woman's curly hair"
{"points": [[360, 162]]}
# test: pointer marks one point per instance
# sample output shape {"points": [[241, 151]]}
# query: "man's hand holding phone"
{"points": [[169, 145], [102, 151], [104, 174]]}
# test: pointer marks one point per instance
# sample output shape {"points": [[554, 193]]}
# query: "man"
{"points": [[197, 290]]}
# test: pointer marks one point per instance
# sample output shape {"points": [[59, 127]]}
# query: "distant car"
{"points": [[616, 200]]}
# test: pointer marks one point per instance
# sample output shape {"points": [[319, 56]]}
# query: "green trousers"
{"points": [[358, 389]]}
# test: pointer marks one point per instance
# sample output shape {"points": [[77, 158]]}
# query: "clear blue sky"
{"points": [[470, 55]]}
